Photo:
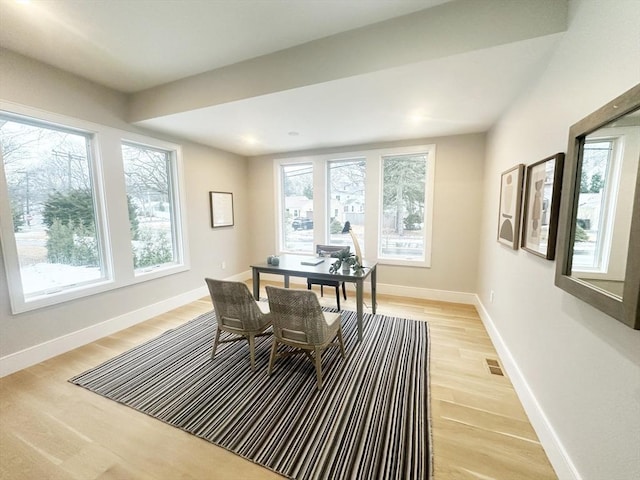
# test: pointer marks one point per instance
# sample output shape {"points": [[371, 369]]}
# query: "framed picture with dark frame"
{"points": [[221, 209], [510, 202], [543, 186]]}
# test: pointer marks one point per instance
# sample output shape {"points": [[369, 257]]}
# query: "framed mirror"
{"points": [[599, 225]]}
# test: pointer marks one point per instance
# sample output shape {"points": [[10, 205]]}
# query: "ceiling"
{"points": [[324, 73]]}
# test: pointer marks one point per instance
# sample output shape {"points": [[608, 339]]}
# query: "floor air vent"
{"points": [[494, 367]]}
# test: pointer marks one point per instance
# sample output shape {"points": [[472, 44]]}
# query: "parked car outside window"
{"points": [[301, 223]]}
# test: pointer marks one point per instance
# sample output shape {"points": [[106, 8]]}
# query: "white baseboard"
{"points": [[427, 293], [39, 353], [558, 456]]}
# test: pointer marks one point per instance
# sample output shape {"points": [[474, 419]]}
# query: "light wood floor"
{"points": [[51, 429]]}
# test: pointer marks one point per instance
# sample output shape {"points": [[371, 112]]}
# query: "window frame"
{"points": [[599, 269], [112, 223], [328, 210], [279, 167], [373, 198], [427, 235], [172, 152]]}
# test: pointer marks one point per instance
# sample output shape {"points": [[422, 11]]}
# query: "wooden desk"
{"points": [[291, 266]]}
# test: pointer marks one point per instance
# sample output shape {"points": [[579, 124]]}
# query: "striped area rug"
{"points": [[370, 421]]}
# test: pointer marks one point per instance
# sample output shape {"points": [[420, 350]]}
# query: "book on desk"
{"points": [[312, 261]]}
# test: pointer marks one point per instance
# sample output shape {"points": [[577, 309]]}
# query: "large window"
{"points": [[50, 184], [385, 195], [346, 180], [402, 223], [149, 175], [56, 201], [297, 208]]}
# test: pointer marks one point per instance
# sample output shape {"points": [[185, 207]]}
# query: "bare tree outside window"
{"points": [[56, 204], [48, 175], [148, 176], [394, 185], [346, 179]]}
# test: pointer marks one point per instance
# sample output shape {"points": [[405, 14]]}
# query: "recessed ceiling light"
{"points": [[418, 117]]}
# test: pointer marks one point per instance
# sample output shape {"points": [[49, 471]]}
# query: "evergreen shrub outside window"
{"points": [[62, 216], [49, 180], [149, 180]]}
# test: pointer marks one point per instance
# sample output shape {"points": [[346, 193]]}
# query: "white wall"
{"points": [[456, 223], [34, 84], [582, 367]]}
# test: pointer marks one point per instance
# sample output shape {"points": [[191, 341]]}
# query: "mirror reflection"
{"points": [[608, 167]]}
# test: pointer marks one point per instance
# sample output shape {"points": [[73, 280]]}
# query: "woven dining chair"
{"points": [[299, 322], [238, 313]]}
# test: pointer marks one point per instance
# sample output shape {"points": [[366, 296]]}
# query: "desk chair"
{"points": [[322, 251]]}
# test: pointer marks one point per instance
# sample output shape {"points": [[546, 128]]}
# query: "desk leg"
{"points": [[256, 284], [373, 289], [359, 301]]}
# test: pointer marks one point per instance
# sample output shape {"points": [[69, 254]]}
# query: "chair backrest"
{"points": [[324, 250], [297, 316], [234, 304]]}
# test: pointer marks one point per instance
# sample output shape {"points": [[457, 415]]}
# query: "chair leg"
{"points": [[344, 291], [252, 351], [319, 368], [341, 342], [272, 357], [215, 343], [338, 296], [321, 290]]}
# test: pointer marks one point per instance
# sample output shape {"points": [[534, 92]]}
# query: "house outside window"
{"points": [[297, 196], [607, 176], [390, 191], [346, 182]]}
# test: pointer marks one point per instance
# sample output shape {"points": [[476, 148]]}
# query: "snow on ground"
{"points": [[42, 277]]}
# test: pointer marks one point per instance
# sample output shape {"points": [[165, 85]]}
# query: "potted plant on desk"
{"points": [[345, 260]]}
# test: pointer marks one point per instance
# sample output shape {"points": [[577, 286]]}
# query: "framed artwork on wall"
{"points": [[543, 185], [510, 201], [221, 209]]}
